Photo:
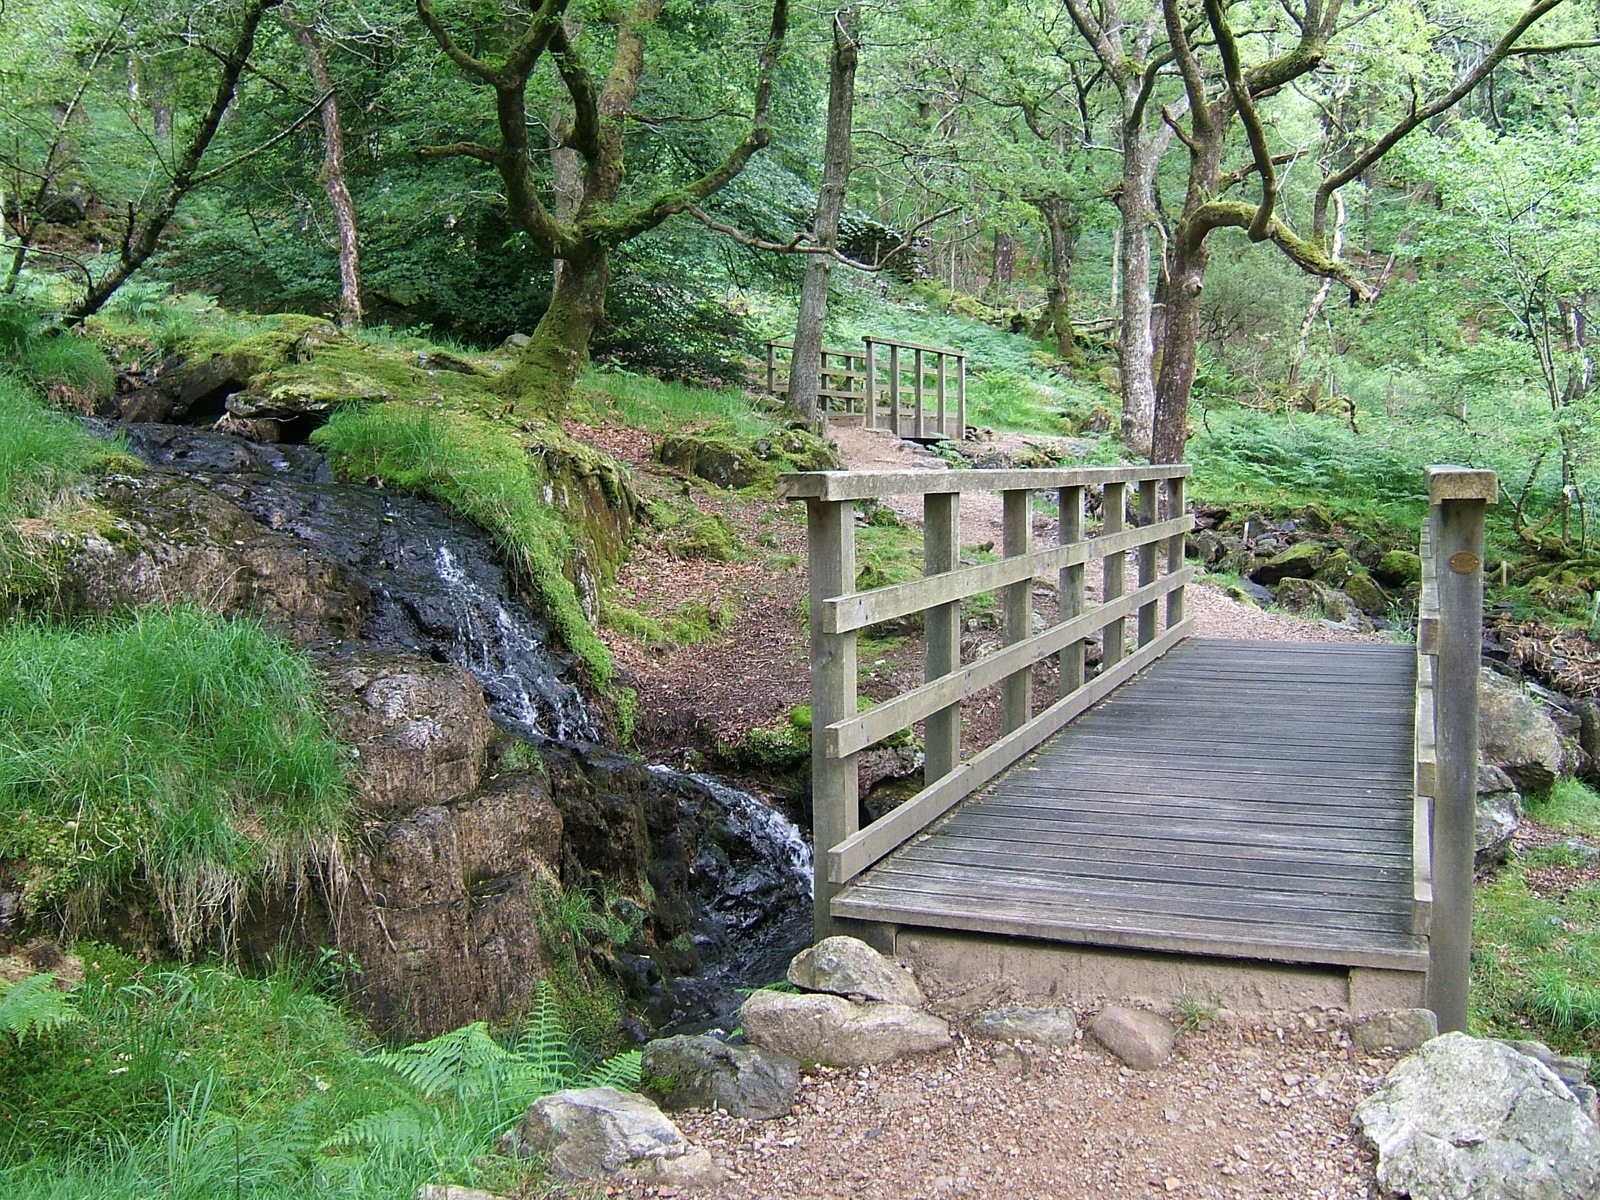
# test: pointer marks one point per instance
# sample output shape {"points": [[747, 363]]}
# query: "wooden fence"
{"points": [[1449, 643], [915, 391], [839, 612]]}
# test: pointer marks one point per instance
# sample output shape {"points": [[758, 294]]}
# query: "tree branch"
{"points": [[472, 66], [1357, 166], [286, 131], [461, 150], [801, 242], [1228, 49], [1307, 255]]}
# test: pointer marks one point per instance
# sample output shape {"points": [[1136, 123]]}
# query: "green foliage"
{"points": [[41, 452], [34, 1006], [688, 624], [481, 469], [1570, 806], [174, 749]]}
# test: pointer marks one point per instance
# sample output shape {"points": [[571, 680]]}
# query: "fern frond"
{"points": [[462, 1062], [619, 1071], [35, 1005], [395, 1130]]}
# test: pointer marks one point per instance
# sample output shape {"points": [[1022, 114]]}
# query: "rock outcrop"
{"points": [[1517, 735], [695, 1071]]}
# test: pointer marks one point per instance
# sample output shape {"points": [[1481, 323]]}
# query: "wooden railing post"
{"points": [[1113, 512], [1149, 494], [894, 389], [917, 372], [944, 429], [872, 384], [941, 523], [835, 816], [1458, 498], [772, 368], [1175, 504], [1070, 586], [961, 397], [1017, 611]]}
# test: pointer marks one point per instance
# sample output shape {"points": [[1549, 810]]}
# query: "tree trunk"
{"points": [[344, 209], [1179, 349], [1137, 346], [1063, 224], [805, 363], [558, 349]]}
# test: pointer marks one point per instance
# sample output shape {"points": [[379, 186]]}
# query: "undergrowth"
{"points": [[483, 472], [1536, 940], [197, 1083], [175, 750]]}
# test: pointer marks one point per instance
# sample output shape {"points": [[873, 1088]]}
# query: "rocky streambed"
{"points": [[501, 840]]}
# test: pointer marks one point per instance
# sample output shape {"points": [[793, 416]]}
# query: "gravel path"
{"points": [[1235, 1115]]}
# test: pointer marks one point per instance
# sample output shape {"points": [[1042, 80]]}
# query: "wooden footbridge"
{"points": [[1271, 824]]}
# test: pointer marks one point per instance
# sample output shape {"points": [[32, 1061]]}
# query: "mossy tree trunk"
{"points": [[1063, 223], [603, 220]]}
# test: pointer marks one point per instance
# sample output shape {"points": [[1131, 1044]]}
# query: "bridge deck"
{"points": [[1244, 799]]}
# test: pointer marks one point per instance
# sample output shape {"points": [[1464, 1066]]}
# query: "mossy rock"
{"points": [[1338, 569], [1398, 568], [728, 461], [1310, 598], [1367, 595], [1301, 561]]}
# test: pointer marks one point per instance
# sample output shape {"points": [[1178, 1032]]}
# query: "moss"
{"points": [[689, 624], [1366, 594], [689, 532], [723, 457], [1398, 568], [1338, 568]]}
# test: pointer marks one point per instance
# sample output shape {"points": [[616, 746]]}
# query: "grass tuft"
{"points": [[176, 749], [484, 473]]}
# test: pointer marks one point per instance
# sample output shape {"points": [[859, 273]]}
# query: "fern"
{"points": [[393, 1131], [35, 1005]]}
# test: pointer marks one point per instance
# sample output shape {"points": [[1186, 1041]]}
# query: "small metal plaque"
{"points": [[1465, 563]]}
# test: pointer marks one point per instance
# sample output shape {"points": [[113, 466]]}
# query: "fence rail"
{"points": [[1449, 647], [910, 390], [1129, 620]]}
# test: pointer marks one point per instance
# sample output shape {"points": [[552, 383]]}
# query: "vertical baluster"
{"points": [[1017, 610], [917, 370], [872, 384], [944, 432], [1149, 493], [1113, 503], [1069, 589], [894, 389], [831, 531], [1175, 508], [941, 523]]}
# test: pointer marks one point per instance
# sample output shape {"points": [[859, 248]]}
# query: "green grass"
{"points": [[657, 407], [1536, 961], [483, 471], [41, 451], [197, 1083], [176, 750]]}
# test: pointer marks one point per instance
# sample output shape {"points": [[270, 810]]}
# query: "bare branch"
{"points": [[801, 242], [286, 131], [461, 150]]}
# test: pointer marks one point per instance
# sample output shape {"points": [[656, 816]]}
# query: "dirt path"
{"points": [[1234, 1115]]}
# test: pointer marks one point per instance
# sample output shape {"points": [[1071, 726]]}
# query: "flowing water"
{"points": [[437, 590]]}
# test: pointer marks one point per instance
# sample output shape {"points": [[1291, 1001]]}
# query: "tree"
{"points": [[805, 362], [606, 215], [333, 182], [1222, 97]]}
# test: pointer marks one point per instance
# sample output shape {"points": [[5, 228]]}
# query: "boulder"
{"points": [[1338, 569], [452, 1191], [600, 1132], [1499, 813], [1311, 598], [1366, 595], [1015, 1023], [846, 966], [1402, 1029], [1398, 568], [1143, 1040], [1300, 561], [1516, 734], [836, 1032], [695, 1071], [1474, 1119]]}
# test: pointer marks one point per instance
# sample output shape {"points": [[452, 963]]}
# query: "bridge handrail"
{"points": [[839, 611], [1449, 648]]}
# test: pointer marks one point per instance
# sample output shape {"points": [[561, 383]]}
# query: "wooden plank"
{"points": [[1462, 484], [856, 853], [1175, 547], [857, 610], [864, 729], [1233, 829], [1133, 932], [864, 485], [1128, 846]]}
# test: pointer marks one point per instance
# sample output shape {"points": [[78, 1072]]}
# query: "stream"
{"points": [[437, 590]]}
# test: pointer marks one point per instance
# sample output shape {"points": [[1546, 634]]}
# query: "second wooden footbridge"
{"points": [[1264, 824]]}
